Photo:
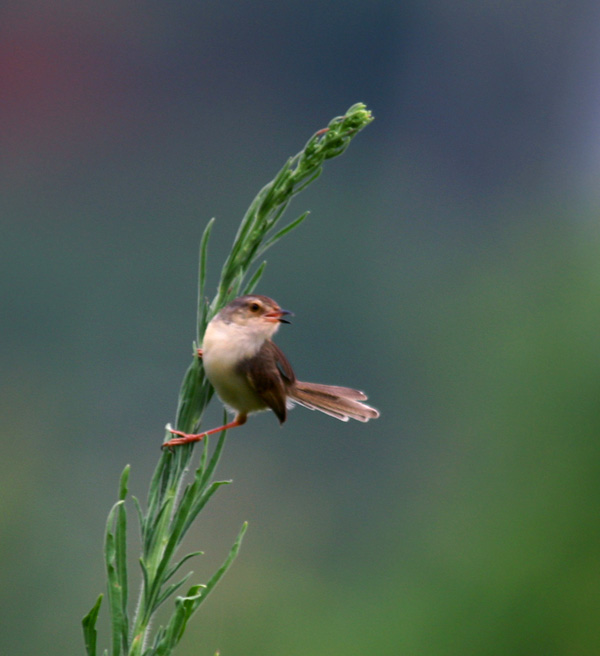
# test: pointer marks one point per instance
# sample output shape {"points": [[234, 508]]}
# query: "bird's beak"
{"points": [[277, 315]]}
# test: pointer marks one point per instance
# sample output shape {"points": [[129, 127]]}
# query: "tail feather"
{"points": [[342, 403]]}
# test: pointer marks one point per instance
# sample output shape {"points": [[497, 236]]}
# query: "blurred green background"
{"points": [[449, 267]]}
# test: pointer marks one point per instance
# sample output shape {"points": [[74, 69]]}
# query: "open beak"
{"points": [[277, 315]]}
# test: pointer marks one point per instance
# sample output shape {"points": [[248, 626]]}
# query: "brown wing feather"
{"points": [[270, 375], [282, 363]]}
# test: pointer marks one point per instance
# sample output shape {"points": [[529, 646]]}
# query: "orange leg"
{"points": [[186, 438]]}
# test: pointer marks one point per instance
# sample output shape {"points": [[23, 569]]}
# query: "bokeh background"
{"points": [[449, 267]]}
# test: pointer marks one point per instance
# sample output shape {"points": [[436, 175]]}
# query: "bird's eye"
{"points": [[254, 307]]}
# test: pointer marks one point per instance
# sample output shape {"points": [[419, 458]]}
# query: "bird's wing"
{"points": [[270, 374]]}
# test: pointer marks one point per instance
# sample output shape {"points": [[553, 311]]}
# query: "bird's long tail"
{"points": [[340, 402]]}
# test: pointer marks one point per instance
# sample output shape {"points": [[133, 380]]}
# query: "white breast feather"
{"points": [[223, 347]]}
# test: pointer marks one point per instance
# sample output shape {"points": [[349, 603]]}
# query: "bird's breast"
{"points": [[225, 345]]}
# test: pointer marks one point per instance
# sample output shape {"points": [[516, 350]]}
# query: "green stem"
{"points": [[170, 507]]}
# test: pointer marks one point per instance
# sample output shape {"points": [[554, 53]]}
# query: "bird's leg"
{"points": [[186, 438], [199, 353]]}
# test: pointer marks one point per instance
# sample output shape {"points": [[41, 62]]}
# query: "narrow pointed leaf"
{"points": [[199, 505], [121, 570], [218, 575], [90, 635], [167, 592], [288, 228], [212, 464], [202, 276], [256, 276], [184, 560], [123, 483]]}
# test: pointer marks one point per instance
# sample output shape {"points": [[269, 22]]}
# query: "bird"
{"points": [[250, 373]]}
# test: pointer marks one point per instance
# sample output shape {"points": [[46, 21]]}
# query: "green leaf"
{"points": [[288, 228], [251, 286], [199, 597], [139, 511], [199, 504], [228, 561], [90, 635], [145, 582], [121, 570], [176, 567], [167, 592], [115, 591], [184, 608], [202, 305], [123, 483]]}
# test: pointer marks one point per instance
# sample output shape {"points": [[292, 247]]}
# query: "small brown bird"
{"points": [[250, 373]]}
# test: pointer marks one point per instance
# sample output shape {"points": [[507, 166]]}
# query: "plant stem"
{"points": [[171, 504]]}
